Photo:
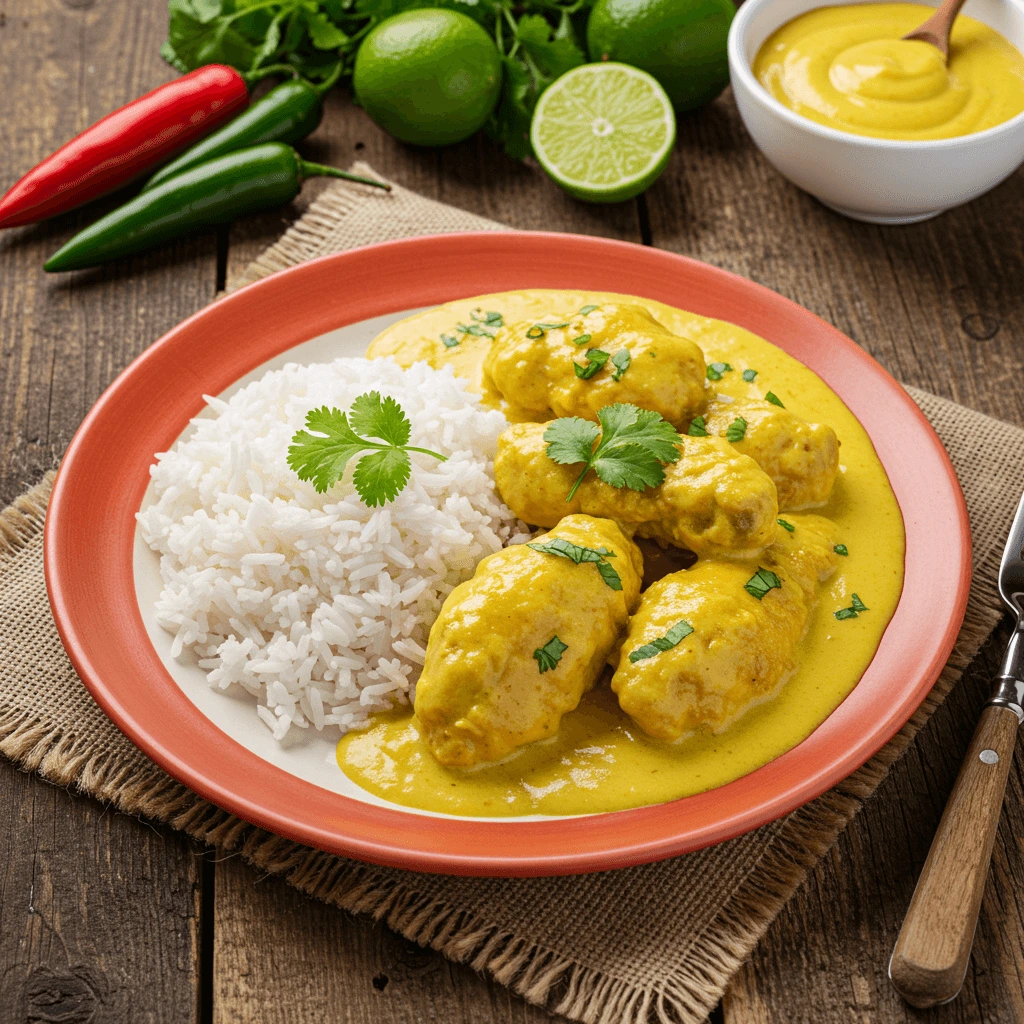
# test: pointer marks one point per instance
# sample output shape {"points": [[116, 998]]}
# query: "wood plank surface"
{"points": [[940, 304], [99, 913]]}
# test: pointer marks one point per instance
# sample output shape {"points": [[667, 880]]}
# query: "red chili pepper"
{"points": [[126, 144]]}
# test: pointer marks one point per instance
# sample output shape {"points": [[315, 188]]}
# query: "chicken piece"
{"points": [[802, 458], [713, 500], [534, 365], [516, 647], [740, 650]]}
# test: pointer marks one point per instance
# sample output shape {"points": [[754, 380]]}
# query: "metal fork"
{"points": [[929, 960]]}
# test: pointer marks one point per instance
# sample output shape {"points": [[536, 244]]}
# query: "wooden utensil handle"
{"points": [[930, 958]]}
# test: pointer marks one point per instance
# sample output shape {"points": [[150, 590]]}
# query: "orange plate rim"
{"points": [[105, 473]]}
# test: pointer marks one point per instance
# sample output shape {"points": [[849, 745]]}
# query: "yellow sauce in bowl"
{"points": [[599, 760], [848, 68]]}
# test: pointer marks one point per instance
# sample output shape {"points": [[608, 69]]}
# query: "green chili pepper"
{"points": [[288, 113], [216, 192]]}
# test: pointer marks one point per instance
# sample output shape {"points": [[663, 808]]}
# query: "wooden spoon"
{"points": [[937, 28]]}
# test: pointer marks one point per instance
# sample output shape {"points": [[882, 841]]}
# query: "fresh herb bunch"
{"points": [[321, 457], [538, 40], [634, 445]]}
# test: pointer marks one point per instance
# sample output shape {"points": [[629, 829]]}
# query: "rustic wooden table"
{"points": [[104, 918]]}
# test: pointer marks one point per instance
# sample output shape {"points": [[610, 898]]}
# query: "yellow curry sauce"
{"points": [[848, 68], [600, 760]]}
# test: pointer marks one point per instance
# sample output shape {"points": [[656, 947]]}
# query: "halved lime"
{"points": [[604, 131]]}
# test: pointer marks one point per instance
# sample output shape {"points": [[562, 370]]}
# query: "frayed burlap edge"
{"points": [[537, 973]]}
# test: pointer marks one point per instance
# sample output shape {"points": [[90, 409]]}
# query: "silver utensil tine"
{"points": [[1011, 567]]}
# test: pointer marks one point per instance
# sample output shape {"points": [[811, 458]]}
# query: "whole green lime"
{"points": [[430, 77], [682, 43]]}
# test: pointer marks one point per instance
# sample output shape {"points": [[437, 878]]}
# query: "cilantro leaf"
{"points": [[624, 423], [678, 632], [550, 654], [581, 340], [857, 604], [737, 430], [596, 358], [571, 439], [774, 399], [788, 527], [578, 553], [322, 460], [380, 417], [379, 476], [715, 370], [698, 427], [845, 613], [749, 375], [761, 582], [490, 318], [584, 310], [841, 549], [620, 361], [634, 445], [321, 452], [450, 341]]}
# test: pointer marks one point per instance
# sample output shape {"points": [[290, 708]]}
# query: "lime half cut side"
{"points": [[604, 131]]}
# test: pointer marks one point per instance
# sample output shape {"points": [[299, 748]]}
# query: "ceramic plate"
{"points": [[101, 580]]}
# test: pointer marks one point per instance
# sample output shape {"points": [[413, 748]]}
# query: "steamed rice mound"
{"points": [[315, 604]]}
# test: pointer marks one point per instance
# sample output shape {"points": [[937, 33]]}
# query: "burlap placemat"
{"points": [[658, 942]]}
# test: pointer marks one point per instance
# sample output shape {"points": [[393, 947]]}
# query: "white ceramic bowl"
{"points": [[880, 180]]}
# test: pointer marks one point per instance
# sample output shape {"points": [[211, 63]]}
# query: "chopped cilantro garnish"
{"points": [[761, 582], [841, 549], [577, 553], [476, 330], [634, 444], [491, 318], [856, 607], [736, 430], [789, 527], [678, 632], [620, 361], [539, 330], [596, 358], [698, 427], [450, 341], [749, 375], [774, 399], [715, 370], [581, 340], [321, 457], [588, 309], [550, 654]]}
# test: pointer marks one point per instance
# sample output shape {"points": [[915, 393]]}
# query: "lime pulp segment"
{"points": [[602, 129]]}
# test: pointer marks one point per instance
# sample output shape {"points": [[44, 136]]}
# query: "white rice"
{"points": [[315, 604]]}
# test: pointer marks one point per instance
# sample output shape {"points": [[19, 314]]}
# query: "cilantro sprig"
{"points": [[632, 446], [578, 553], [321, 456]]}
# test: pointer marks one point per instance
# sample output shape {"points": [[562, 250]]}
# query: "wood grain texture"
{"points": [[940, 304], [929, 960], [64, 65], [281, 958], [98, 912]]}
